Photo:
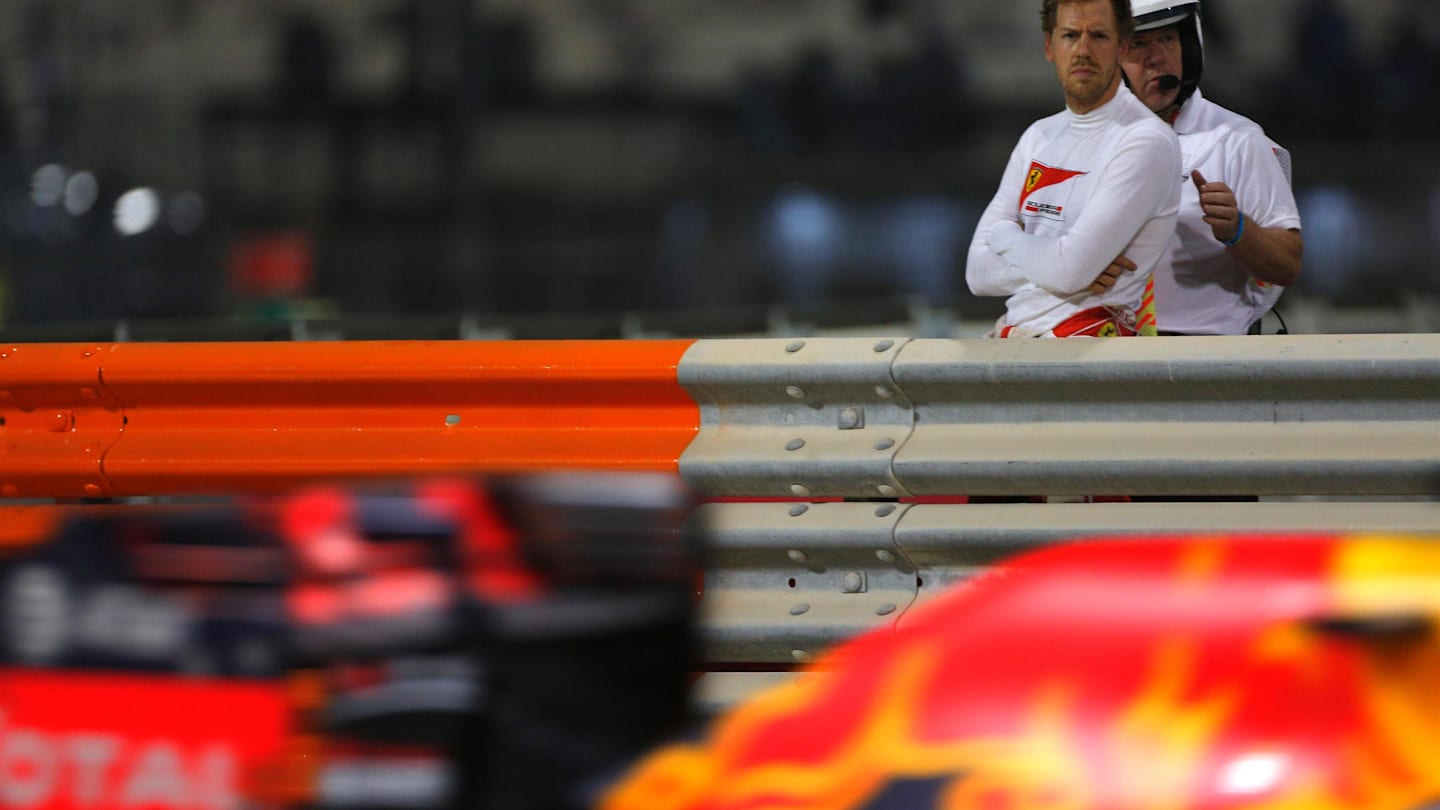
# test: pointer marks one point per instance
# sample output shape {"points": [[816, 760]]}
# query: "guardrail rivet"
{"points": [[795, 391], [885, 511], [795, 347], [885, 609], [795, 444], [885, 556], [800, 655], [61, 421], [800, 609], [884, 444], [800, 490], [888, 491], [853, 582], [883, 392], [852, 419], [798, 509], [797, 556], [884, 346]]}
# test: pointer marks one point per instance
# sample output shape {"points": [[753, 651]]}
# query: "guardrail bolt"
{"points": [[800, 609], [885, 609], [800, 655], [884, 392], [798, 556], [885, 511], [885, 556], [884, 346], [795, 444], [852, 419], [798, 509], [795, 391], [884, 444], [795, 346], [62, 421], [853, 582], [800, 490]]}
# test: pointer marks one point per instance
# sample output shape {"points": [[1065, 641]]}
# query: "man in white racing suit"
{"points": [[1088, 202], [1238, 242]]}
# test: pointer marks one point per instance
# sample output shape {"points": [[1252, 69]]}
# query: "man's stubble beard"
{"points": [[1094, 91]]}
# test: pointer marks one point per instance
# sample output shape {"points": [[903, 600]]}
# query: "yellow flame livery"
{"points": [[1208, 672]]}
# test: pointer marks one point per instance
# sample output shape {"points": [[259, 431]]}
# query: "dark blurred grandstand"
{"points": [[612, 168]]}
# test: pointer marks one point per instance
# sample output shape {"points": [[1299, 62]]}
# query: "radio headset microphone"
{"points": [[1169, 82]]}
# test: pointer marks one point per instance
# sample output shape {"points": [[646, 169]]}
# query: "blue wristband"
{"points": [[1239, 231]]}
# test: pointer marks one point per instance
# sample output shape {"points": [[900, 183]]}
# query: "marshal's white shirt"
{"points": [[1079, 191], [1200, 289]]}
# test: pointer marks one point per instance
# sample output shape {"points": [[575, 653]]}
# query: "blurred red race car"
{"points": [[1235, 672]]}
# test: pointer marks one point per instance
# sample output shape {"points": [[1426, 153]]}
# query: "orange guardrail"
{"points": [[56, 421], [89, 421]]}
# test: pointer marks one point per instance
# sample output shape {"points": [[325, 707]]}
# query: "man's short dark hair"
{"points": [[1124, 20]]}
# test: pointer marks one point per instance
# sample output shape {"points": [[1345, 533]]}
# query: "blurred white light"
{"points": [[920, 237], [47, 187], [81, 192], [806, 221], [187, 213], [807, 233], [137, 211], [1333, 220], [1252, 774]]}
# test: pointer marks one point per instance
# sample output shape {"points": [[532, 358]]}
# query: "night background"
{"points": [[192, 169]]}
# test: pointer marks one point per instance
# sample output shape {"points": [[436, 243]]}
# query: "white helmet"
{"points": [[1153, 14]]}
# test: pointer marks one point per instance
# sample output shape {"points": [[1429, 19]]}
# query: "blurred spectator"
{"points": [[1216, 25], [878, 11], [43, 100], [915, 99], [1409, 76], [499, 61], [305, 74], [945, 109], [1329, 82], [634, 47], [812, 100], [406, 20], [759, 112]]}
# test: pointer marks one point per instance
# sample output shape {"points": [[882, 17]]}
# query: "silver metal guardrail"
{"points": [[785, 580], [890, 417]]}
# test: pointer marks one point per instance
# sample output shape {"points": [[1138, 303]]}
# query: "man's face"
{"points": [[1151, 55], [1085, 47]]}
